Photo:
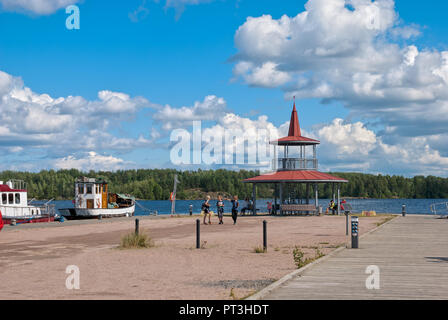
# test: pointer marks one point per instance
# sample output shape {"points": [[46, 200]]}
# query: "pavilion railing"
{"points": [[295, 164]]}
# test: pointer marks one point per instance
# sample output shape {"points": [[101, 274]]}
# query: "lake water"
{"points": [[413, 206]]}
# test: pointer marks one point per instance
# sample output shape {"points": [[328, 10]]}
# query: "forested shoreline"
{"points": [[156, 184]]}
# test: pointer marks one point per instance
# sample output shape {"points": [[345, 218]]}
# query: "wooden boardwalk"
{"points": [[411, 253]]}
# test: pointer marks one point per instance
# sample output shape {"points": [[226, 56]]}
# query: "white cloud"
{"points": [[39, 7], [38, 123], [211, 108], [91, 161], [344, 50]]}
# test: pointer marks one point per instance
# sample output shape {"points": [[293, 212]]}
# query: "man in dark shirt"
{"points": [[235, 205]]}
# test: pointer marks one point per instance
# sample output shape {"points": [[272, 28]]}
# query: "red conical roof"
{"points": [[294, 126], [294, 133]]}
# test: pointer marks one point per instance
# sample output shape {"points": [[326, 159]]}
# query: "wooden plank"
{"points": [[411, 253]]}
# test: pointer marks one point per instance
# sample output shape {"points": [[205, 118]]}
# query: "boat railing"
{"points": [[440, 208], [149, 211]]}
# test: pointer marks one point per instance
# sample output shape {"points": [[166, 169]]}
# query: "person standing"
{"points": [[235, 205], [220, 209], [191, 209], [269, 207], [1, 221], [206, 209]]}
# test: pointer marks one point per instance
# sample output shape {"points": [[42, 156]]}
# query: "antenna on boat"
{"points": [[173, 196]]}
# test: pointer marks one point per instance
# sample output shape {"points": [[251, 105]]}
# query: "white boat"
{"points": [[92, 199], [15, 208]]}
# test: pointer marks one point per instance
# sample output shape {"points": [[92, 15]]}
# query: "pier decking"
{"points": [[411, 253]]}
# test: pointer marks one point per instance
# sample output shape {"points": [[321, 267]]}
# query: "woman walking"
{"points": [[235, 205], [206, 209], [220, 209]]}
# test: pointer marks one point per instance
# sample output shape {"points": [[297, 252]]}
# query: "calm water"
{"points": [[413, 206]]}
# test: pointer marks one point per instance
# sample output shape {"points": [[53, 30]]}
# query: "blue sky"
{"points": [[174, 54]]}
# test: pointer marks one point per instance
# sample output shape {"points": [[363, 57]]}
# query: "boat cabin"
{"points": [[91, 193], [13, 193]]}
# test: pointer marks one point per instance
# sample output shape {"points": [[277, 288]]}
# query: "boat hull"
{"points": [[77, 213], [18, 220]]}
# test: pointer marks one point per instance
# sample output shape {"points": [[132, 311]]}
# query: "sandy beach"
{"points": [[34, 259]]}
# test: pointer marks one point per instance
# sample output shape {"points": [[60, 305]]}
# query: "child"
{"points": [[220, 209], [206, 209], [235, 205]]}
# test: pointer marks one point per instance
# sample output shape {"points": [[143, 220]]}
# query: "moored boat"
{"points": [[92, 199], [15, 207]]}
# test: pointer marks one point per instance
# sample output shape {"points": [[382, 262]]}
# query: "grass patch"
{"points": [[299, 257], [387, 219], [259, 249], [136, 241]]}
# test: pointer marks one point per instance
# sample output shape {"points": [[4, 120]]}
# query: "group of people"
{"points": [[333, 207], [219, 209]]}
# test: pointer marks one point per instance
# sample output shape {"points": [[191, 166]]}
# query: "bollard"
{"points": [[198, 234], [403, 210], [355, 230], [346, 222], [136, 226], [100, 217], [265, 236]]}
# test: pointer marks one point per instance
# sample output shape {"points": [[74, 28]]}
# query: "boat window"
{"points": [[81, 189], [11, 198], [4, 198], [89, 189], [32, 212], [17, 198]]}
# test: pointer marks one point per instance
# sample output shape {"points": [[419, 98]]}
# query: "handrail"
{"points": [[444, 210], [151, 212], [295, 164]]}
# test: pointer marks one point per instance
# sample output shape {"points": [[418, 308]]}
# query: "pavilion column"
{"points": [[307, 193], [339, 199], [334, 196], [316, 190], [254, 198], [275, 198]]}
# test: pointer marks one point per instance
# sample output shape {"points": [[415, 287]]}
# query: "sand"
{"points": [[33, 260]]}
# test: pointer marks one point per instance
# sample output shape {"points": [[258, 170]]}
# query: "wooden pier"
{"points": [[412, 256]]}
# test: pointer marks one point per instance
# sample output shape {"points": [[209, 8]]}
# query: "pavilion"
{"points": [[296, 168]]}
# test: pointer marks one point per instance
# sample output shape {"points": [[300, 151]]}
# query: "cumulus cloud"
{"points": [[91, 161], [211, 108], [39, 7], [31, 122], [345, 50], [352, 146]]}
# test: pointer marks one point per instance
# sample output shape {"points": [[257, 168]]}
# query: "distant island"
{"points": [[156, 184]]}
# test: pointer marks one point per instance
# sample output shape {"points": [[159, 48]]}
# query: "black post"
{"points": [[265, 236], [136, 226], [403, 210], [198, 234]]}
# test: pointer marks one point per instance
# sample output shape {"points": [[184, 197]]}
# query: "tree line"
{"points": [[156, 184]]}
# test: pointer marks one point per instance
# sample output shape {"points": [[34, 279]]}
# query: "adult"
{"points": [[235, 205], [1, 221], [206, 210], [220, 209], [269, 207]]}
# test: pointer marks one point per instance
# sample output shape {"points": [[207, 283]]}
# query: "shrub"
{"points": [[135, 241]]}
